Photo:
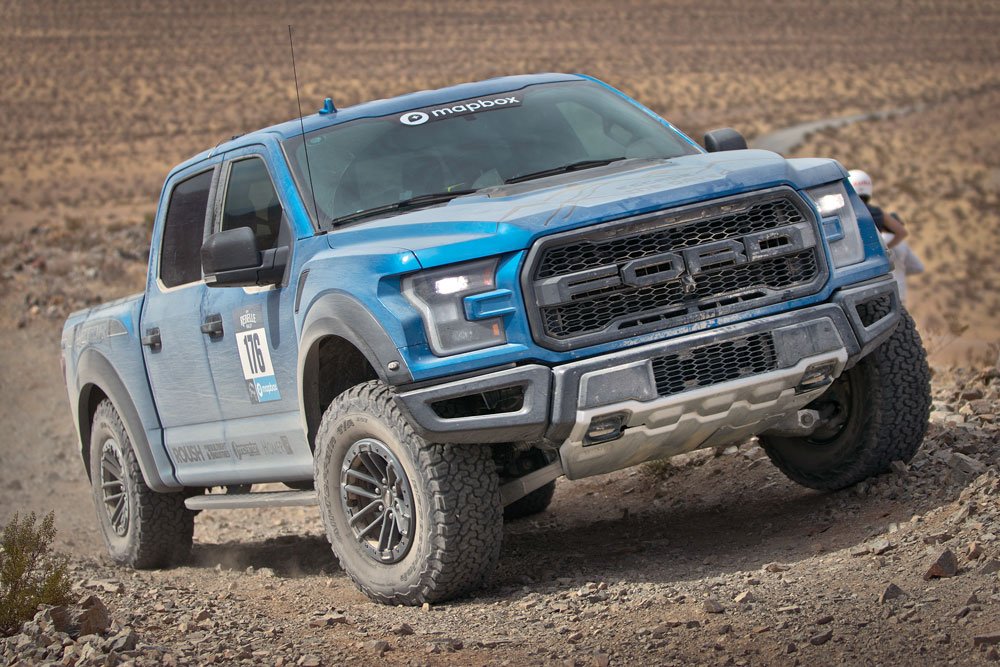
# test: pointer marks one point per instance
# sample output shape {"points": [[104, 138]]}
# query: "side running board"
{"points": [[235, 501]]}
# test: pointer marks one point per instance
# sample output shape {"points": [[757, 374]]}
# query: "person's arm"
{"points": [[894, 226]]}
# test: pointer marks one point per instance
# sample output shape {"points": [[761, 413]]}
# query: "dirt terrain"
{"points": [[99, 100]]}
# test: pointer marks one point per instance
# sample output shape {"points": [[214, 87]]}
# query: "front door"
{"points": [[254, 353]]}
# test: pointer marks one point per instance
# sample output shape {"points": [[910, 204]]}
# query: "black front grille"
{"points": [[717, 289], [714, 363], [672, 267]]}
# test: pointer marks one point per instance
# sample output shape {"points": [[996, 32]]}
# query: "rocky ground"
{"points": [[711, 558]]}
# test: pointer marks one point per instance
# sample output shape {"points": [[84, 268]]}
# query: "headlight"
{"points": [[439, 295], [840, 224]]}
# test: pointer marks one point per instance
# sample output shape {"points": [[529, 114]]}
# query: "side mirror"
{"points": [[726, 139], [230, 258]]}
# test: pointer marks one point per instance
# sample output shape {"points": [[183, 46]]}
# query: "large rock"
{"points": [[123, 641], [945, 565], [966, 464], [59, 619], [821, 638], [93, 617], [712, 606], [891, 592]]}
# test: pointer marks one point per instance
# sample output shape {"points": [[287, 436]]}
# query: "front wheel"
{"points": [[873, 414], [141, 528], [410, 521]]}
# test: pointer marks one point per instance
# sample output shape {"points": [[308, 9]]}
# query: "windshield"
{"points": [[392, 163]]}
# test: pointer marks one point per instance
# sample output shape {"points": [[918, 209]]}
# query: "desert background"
{"points": [[98, 100]]}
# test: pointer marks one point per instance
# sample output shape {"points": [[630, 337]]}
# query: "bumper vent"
{"points": [[629, 277], [870, 312], [714, 363]]}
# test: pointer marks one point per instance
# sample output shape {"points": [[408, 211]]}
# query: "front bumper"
{"points": [[709, 399]]}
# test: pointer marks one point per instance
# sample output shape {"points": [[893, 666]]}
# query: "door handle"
{"points": [[152, 339], [212, 325]]}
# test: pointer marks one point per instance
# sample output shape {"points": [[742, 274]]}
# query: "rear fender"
{"points": [[96, 374]]}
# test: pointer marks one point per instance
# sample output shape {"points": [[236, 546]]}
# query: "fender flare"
{"points": [[339, 314], [95, 371]]}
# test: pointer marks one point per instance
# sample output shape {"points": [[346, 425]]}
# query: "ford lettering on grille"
{"points": [[669, 266], [629, 277]]}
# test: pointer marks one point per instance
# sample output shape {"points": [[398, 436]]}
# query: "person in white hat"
{"points": [[890, 223], [893, 231]]}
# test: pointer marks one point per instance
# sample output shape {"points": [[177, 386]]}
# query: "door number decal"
{"points": [[255, 357]]}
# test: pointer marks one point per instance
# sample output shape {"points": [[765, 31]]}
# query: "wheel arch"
{"points": [[342, 345], [98, 380], [90, 397]]}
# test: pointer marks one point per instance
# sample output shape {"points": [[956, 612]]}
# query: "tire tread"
{"points": [[896, 427], [164, 532], [466, 517]]}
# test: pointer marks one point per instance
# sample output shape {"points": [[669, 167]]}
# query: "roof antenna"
{"points": [[302, 125]]}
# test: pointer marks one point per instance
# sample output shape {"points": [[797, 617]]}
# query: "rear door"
{"points": [[254, 353], [173, 345]]}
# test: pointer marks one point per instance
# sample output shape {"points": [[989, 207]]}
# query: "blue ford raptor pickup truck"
{"points": [[418, 313]]}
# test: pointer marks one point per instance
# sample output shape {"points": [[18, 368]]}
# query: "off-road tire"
{"points": [[160, 529], [535, 502], [458, 518], [887, 418]]}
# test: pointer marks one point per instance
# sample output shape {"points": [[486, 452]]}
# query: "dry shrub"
{"points": [[30, 573]]}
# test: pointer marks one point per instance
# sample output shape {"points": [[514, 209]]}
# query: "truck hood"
{"points": [[509, 218]]}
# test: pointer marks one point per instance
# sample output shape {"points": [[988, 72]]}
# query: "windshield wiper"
{"points": [[413, 202], [573, 166]]}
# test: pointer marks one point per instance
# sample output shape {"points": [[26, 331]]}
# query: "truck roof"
{"points": [[384, 107]]}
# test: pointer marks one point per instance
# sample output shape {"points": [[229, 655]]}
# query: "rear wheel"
{"points": [[535, 502], [410, 521], [517, 464], [873, 414], [140, 527]]}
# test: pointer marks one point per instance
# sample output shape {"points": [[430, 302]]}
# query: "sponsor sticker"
{"points": [[215, 451], [255, 356], [262, 447], [419, 117], [245, 449], [187, 454]]}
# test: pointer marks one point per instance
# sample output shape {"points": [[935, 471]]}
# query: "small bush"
{"points": [[30, 573]]}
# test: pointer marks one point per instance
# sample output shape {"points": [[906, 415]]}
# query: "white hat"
{"points": [[861, 181]]}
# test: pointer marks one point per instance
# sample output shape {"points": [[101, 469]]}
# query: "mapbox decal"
{"points": [[255, 356], [420, 117]]}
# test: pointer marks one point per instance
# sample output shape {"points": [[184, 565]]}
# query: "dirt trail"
{"points": [[786, 139]]}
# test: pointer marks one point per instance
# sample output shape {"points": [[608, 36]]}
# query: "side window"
{"points": [[252, 202], [184, 231]]}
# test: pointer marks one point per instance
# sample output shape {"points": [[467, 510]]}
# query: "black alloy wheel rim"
{"points": [[377, 500], [113, 491]]}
